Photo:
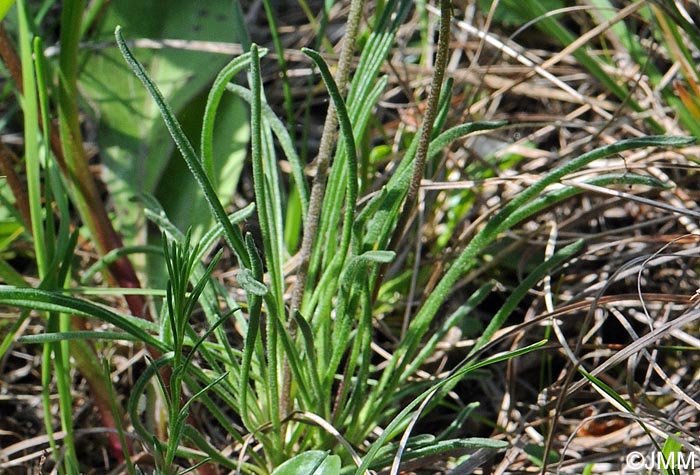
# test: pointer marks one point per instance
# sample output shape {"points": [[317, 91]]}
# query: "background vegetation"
{"points": [[348, 237]]}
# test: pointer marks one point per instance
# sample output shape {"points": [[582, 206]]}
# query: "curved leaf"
{"points": [[135, 147], [36, 299], [313, 462]]}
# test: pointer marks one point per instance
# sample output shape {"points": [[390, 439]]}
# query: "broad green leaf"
{"points": [[10, 230], [670, 451], [536, 454], [5, 7], [135, 146], [505, 13], [314, 462], [182, 199]]}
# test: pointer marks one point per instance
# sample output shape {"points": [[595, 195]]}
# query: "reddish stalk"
{"points": [[121, 272]]}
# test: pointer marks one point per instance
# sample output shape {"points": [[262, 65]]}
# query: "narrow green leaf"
{"points": [[113, 256], [394, 428], [135, 147], [432, 449], [670, 451], [201, 442], [607, 390], [522, 290], [511, 214], [250, 284], [138, 392], [438, 144], [213, 100], [55, 302], [349, 141], [30, 106], [311, 358], [76, 335], [285, 141], [231, 233], [535, 452], [380, 257], [266, 184]]}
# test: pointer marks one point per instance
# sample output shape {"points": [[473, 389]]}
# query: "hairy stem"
{"points": [[328, 140], [428, 121]]}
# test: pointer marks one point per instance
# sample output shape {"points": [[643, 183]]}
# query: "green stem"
{"points": [[31, 141]]}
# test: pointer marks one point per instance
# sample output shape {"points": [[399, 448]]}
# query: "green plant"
{"points": [[315, 359], [52, 239], [304, 384], [136, 149]]}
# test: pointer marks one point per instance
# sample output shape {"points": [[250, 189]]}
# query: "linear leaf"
{"points": [[231, 233]]}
